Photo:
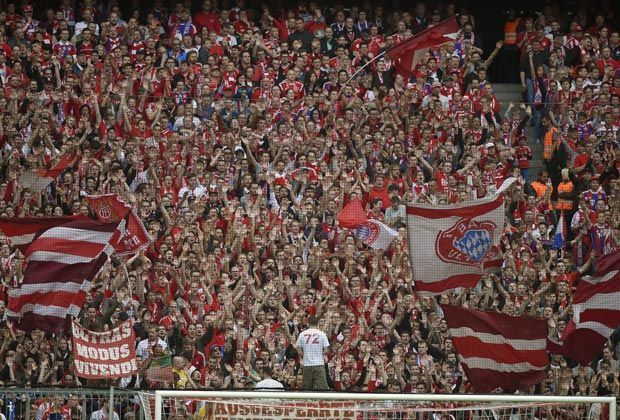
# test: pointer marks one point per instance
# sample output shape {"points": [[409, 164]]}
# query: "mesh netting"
{"points": [[247, 409]]}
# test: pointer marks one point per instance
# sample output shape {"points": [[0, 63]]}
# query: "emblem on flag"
{"points": [[468, 242], [367, 233]]}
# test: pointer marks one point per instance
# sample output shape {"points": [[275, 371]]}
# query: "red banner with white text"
{"points": [[110, 207], [110, 354]]}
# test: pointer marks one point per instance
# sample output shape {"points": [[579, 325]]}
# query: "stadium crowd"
{"points": [[237, 137]]}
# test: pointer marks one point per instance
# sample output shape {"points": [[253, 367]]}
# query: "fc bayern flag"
{"points": [[110, 208], [375, 234], [408, 53], [452, 246]]}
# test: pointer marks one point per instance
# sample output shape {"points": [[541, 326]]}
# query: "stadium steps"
{"points": [[511, 92]]}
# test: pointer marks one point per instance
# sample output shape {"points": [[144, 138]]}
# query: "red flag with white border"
{"points": [[110, 208], [452, 246]]}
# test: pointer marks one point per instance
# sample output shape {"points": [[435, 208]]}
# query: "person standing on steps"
{"points": [[311, 344]]}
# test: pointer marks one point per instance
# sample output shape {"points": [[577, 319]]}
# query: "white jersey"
{"points": [[313, 342]]}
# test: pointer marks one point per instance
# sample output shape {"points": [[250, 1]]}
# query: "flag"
{"points": [[560, 233], [160, 368], [596, 310], [453, 245], [39, 179], [352, 215], [62, 258], [497, 350], [110, 208], [375, 234], [371, 232], [408, 53]]}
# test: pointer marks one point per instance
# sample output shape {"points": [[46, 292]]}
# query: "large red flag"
{"points": [[596, 310], [497, 350], [62, 258], [408, 53], [110, 208]]}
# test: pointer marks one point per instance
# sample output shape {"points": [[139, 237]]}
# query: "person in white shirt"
{"points": [[268, 383], [145, 347], [311, 344], [103, 413]]}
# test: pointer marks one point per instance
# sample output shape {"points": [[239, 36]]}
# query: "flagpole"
{"points": [[362, 68], [391, 48]]}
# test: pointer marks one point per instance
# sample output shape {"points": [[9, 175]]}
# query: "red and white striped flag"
{"points": [[62, 258], [39, 179], [497, 350], [596, 310]]}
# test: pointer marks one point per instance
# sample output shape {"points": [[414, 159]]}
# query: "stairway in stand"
{"points": [[507, 93]]}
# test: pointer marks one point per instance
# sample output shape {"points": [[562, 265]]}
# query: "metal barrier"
{"points": [[77, 403]]}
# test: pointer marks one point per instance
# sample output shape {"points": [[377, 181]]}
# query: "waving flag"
{"points": [[376, 234], [560, 233], [596, 310], [452, 246], [371, 232], [497, 350], [352, 215], [408, 53], [39, 179], [62, 258], [110, 208]]}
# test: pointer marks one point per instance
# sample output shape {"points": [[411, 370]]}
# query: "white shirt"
{"points": [[101, 415], [313, 341], [198, 191], [144, 347]]}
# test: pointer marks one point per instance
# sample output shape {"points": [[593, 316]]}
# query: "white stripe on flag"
{"points": [[72, 234], [597, 327], [59, 257], [603, 301], [22, 239], [28, 289], [597, 280], [51, 310], [490, 364], [489, 338]]}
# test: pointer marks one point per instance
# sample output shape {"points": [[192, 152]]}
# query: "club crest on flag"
{"points": [[367, 232], [104, 212], [468, 242]]}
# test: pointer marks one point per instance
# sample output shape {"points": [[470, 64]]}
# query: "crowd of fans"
{"points": [[237, 137]]}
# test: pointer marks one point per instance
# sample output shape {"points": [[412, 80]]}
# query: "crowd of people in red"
{"points": [[236, 135]]}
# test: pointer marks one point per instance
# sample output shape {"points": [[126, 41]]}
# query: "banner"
{"points": [[452, 246], [497, 350], [110, 354], [108, 208]]}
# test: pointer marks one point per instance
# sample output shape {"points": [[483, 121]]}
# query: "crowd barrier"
{"points": [[31, 403]]}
